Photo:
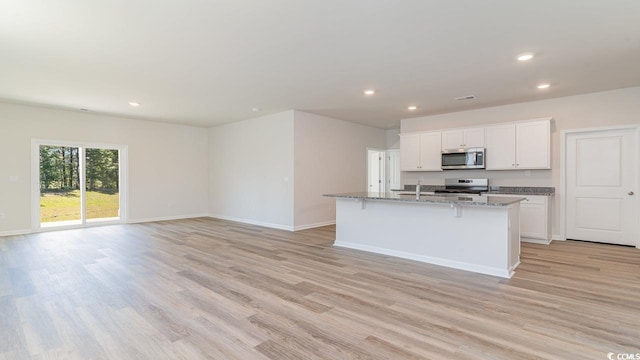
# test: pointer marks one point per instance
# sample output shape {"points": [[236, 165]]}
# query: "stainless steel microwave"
{"points": [[470, 158]]}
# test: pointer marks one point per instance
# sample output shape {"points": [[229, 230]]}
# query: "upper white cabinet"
{"points": [[501, 147], [519, 146], [533, 145], [410, 152], [463, 138], [421, 152]]}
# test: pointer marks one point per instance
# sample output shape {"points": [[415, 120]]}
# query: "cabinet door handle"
{"points": [[631, 193]]}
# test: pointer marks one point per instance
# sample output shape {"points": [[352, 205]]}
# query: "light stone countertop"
{"points": [[505, 190], [468, 200]]}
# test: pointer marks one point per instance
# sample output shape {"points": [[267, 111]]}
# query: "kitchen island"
{"points": [[472, 232]]}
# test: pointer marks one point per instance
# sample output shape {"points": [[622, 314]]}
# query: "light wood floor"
{"points": [[212, 289]]}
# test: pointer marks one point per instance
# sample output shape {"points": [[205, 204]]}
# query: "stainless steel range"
{"points": [[464, 186]]}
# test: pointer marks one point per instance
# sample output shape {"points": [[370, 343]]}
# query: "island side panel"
{"points": [[478, 240], [514, 236]]}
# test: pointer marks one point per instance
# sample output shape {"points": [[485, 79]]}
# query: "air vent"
{"points": [[468, 97]]}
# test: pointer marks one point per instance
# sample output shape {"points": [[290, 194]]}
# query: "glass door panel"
{"points": [[60, 195], [102, 187]]}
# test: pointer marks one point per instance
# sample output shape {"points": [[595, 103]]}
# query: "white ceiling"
{"points": [[207, 62]]}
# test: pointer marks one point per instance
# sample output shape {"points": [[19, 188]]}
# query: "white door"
{"points": [[375, 170], [602, 180], [393, 170]]}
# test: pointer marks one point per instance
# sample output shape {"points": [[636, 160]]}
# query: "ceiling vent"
{"points": [[468, 97]]}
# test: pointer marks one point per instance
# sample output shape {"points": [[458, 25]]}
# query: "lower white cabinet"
{"points": [[535, 218]]}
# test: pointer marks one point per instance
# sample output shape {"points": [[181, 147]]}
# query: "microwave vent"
{"points": [[468, 97]]}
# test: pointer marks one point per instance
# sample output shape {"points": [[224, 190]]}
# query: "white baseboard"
{"points": [[428, 259], [311, 226], [272, 225], [252, 222], [181, 217], [133, 221], [535, 241], [558, 238], [16, 232], [166, 218]]}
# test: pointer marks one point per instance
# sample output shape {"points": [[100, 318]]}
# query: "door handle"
{"points": [[631, 193]]}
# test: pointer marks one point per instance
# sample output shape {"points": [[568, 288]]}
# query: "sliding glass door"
{"points": [[78, 185]]}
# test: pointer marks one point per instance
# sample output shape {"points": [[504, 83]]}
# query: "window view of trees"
{"points": [[60, 195], [102, 169], [59, 168]]}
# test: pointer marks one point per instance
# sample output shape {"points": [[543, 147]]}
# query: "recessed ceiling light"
{"points": [[134, 104], [412, 107], [369, 92], [525, 57], [256, 109], [543, 86]]}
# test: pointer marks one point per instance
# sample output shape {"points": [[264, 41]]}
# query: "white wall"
{"points": [[609, 108], [251, 171], [330, 156], [167, 163], [393, 140], [273, 170]]}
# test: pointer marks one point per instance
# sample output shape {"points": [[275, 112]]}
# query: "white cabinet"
{"points": [[535, 218], [410, 152], [519, 146], [501, 147], [393, 170], [533, 145], [463, 138], [421, 152]]}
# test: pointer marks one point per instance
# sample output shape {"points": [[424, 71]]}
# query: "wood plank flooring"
{"points": [[213, 289]]}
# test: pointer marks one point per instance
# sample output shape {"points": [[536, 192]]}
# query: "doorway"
{"points": [[375, 170], [77, 185], [601, 182]]}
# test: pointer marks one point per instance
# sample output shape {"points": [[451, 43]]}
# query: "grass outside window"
{"points": [[62, 205]]}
